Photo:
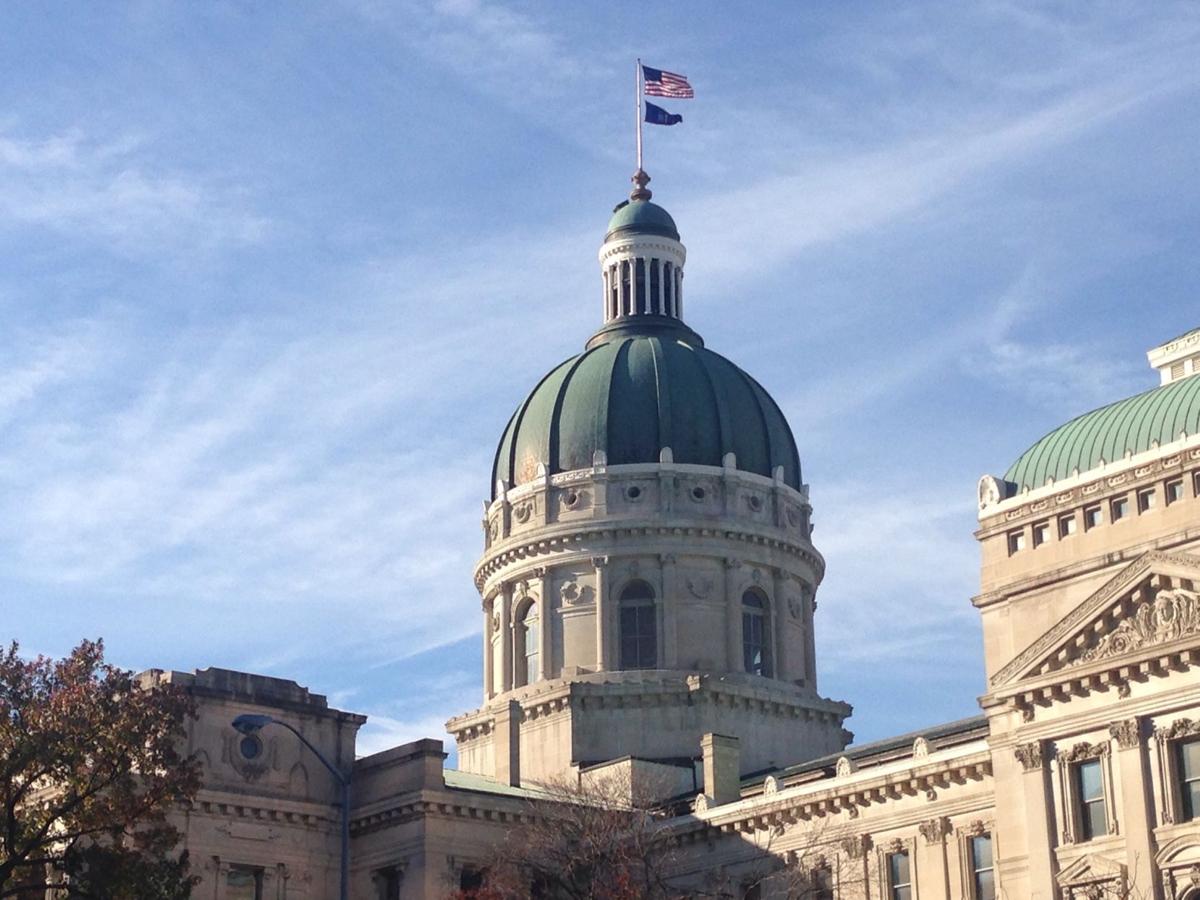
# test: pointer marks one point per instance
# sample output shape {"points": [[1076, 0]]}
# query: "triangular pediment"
{"points": [[1091, 869], [1152, 602]]}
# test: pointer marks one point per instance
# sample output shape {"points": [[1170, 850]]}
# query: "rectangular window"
{"points": [[1066, 525], [899, 879], [1016, 542], [983, 876], [639, 641], [1187, 756], [1041, 533], [244, 883], [1145, 500], [1090, 805], [1174, 491], [388, 881], [823, 884], [1120, 508], [1092, 516]]}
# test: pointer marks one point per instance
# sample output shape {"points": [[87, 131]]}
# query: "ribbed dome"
{"points": [[1134, 425], [636, 390]]}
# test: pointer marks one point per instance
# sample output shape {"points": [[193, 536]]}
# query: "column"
{"points": [[670, 654], [780, 663], [679, 292], [1131, 767], [733, 616], [932, 861], [545, 661], [607, 296], [1024, 808], [603, 662], [506, 660], [489, 664]]}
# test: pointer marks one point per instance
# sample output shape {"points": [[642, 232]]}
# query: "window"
{"points": [[1092, 516], [1145, 500], [655, 284], [627, 297], [1187, 762], [756, 653], [983, 878], [1016, 542], [244, 883], [899, 880], [1174, 491], [526, 657], [470, 880], [1120, 508], [1041, 533], [1090, 805], [1066, 525], [640, 291], [668, 294], [823, 883], [639, 630], [388, 881]]}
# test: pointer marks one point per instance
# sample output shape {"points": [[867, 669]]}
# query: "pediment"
{"points": [[1091, 869], [1153, 602]]}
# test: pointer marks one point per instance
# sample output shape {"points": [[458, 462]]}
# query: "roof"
{"points": [[481, 784], [636, 390], [641, 217], [1135, 425]]}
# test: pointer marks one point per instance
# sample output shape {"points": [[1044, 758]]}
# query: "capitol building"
{"points": [[648, 591]]}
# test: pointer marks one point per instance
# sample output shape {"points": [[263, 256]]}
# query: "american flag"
{"points": [[666, 84]]}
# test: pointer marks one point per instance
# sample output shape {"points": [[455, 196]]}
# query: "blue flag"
{"points": [[656, 115]]}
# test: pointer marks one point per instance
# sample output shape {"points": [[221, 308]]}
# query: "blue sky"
{"points": [[273, 277]]}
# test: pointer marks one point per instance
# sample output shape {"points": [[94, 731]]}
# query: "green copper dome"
{"points": [[636, 390], [1105, 435], [641, 217]]}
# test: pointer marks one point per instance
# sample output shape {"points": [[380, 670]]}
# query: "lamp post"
{"points": [[249, 724]]}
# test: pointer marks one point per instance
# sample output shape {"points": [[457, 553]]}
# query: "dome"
{"points": [[637, 389], [641, 217], [1134, 425]]}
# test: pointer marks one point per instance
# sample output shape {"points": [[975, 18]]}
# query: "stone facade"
{"points": [[1081, 779]]}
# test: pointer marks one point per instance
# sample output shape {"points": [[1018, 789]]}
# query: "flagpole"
{"points": [[637, 93]]}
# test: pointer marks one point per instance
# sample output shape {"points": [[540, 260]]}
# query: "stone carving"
{"points": [[771, 785], [895, 845], [845, 767], [920, 748], [1126, 733], [754, 502], [700, 586], [977, 828], [1170, 615], [793, 605], [1030, 755], [701, 804], [522, 513], [934, 830], [756, 576], [990, 492], [1083, 750], [1177, 729], [855, 846]]}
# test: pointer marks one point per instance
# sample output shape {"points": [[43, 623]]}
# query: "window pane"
{"points": [[1090, 784], [898, 864], [1097, 820], [981, 851], [985, 885], [1191, 799], [904, 892], [243, 884], [1189, 760]]}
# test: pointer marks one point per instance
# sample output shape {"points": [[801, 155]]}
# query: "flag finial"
{"points": [[640, 179]]}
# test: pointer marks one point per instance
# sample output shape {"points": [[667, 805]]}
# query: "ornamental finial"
{"points": [[640, 191]]}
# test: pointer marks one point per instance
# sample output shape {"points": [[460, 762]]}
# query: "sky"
{"points": [[273, 277]]}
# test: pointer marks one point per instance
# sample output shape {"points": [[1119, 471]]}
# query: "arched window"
{"points": [[639, 628], [756, 652], [526, 656]]}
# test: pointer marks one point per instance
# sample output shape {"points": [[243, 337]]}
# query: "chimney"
{"points": [[722, 768], [507, 743]]}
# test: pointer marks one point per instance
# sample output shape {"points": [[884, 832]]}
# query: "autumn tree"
{"points": [[89, 769]]}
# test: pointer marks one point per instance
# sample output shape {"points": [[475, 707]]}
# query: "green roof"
{"points": [[641, 217], [638, 389], [1135, 425]]}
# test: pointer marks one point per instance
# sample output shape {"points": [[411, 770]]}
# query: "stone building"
{"points": [[648, 589]]}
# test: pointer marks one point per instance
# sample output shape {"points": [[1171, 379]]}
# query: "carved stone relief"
{"points": [[1127, 733], [1030, 756], [1170, 615], [934, 830]]}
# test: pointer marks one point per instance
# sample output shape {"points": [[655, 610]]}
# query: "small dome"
{"points": [[635, 391], [641, 217], [1105, 435]]}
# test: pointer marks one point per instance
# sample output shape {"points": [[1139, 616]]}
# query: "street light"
{"points": [[249, 723]]}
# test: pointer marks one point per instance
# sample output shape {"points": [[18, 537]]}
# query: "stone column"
{"points": [[932, 860], [489, 664], [506, 660], [1024, 808], [603, 651], [1131, 767], [670, 655], [545, 614], [779, 626], [733, 617]]}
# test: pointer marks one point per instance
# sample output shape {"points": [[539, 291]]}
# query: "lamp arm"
{"points": [[342, 779]]}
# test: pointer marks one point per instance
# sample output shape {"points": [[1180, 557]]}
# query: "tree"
{"points": [[89, 769]]}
